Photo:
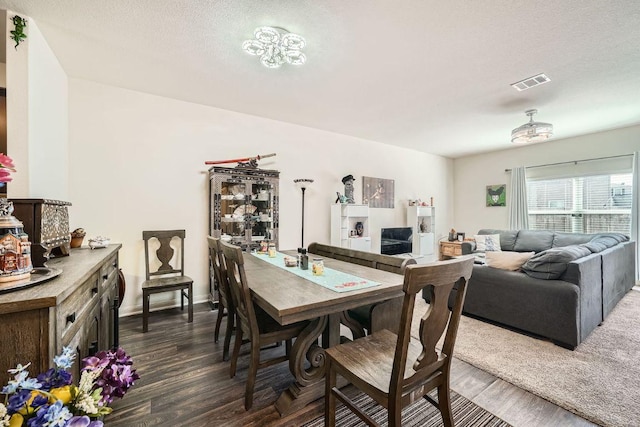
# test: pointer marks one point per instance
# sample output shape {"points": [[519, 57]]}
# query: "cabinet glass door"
{"points": [[262, 211], [232, 210]]}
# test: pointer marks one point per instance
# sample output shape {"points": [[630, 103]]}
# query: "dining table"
{"points": [[290, 295]]}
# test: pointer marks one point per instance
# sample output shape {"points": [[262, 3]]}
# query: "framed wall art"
{"points": [[378, 192], [497, 195]]}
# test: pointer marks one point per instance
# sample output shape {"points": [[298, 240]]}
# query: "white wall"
{"points": [[48, 121], [136, 162], [17, 78], [473, 173], [37, 118]]}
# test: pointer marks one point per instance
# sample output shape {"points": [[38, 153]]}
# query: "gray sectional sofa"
{"points": [[563, 292]]}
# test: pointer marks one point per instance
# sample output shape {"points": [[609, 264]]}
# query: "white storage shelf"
{"points": [[422, 220], [344, 218]]}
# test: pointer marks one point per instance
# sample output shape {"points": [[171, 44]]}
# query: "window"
{"points": [[581, 204]]}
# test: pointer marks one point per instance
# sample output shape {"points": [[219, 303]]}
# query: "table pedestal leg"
{"points": [[307, 364]]}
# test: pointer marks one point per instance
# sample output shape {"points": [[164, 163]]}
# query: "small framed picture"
{"points": [[460, 237], [497, 195]]}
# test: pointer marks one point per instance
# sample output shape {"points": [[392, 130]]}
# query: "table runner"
{"points": [[332, 279]]}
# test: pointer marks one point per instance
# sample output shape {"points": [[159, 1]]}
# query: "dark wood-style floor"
{"points": [[184, 382]]}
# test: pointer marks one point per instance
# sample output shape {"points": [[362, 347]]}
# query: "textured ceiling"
{"points": [[429, 75]]}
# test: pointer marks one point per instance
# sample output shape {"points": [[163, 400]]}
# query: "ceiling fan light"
{"points": [[532, 131]]}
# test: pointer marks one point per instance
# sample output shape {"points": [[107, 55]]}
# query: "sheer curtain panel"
{"points": [[517, 200]]}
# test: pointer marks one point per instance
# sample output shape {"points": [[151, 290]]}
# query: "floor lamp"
{"points": [[302, 184]]}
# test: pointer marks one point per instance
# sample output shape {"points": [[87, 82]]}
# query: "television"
{"points": [[396, 240]]}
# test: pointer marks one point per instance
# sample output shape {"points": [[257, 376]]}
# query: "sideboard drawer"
{"points": [[450, 249], [109, 273], [73, 310]]}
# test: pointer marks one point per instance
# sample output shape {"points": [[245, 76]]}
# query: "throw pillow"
{"points": [[507, 260], [487, 242], [552, 263]]}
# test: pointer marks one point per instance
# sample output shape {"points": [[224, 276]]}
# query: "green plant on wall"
{"points": [[17, 33]]}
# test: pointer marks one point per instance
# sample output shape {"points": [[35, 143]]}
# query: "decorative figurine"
{"points": [[15, 248], [340, 198], [348, 188], [359, 229]]}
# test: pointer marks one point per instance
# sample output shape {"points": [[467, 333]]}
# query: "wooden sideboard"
{"points": [[77, 309]]}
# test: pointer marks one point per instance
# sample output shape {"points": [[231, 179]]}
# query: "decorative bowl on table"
{"points": [[99, 242]]}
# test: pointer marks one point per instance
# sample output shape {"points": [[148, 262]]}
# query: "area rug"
{"points": [[420, 414], [599, 380]]}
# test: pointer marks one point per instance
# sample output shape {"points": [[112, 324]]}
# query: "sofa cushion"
{"points": [[507, 237], [551, 263], [507, 260], [568, 239], [533, 240], [604, 241], [487, 242]]}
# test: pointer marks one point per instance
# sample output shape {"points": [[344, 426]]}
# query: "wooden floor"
{"points": [[183, 382]]}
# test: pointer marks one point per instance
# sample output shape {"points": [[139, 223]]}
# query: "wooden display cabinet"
{"points": [[243, 208]]}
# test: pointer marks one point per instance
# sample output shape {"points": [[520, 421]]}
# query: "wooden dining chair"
{"points": [[166, 277], [252, 322], [396, 370], [225, 302]]}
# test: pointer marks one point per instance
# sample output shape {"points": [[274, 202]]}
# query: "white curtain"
{"points": [[635, 206], [517, 200]]}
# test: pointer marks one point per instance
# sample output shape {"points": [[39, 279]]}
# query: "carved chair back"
{"points": [[165, 253], [239, 289], [439, 279], [220, 272]]}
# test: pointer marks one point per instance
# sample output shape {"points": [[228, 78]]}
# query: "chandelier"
{"points": [[275, 46], [531, 131]]}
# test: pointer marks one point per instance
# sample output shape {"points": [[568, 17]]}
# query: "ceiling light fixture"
{"points": [[532, 131], [275, 46]]}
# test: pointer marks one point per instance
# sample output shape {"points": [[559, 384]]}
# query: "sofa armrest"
{"points": [[586, 273], [468, 247]]}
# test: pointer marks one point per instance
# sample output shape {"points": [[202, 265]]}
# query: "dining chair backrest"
{"points": [[164, 254], [220, 271], [239, 289], [440, 279]]}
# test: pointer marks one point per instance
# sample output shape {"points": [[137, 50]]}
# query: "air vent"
{"points": [[530, 82]]}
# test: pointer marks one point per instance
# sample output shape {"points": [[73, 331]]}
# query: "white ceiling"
{"points": [[424, 74]]}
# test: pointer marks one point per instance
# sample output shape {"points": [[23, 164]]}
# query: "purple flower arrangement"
{"points": [[51, 400]]}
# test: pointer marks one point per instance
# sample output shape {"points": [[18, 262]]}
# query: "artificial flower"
{"points": [[6, 166], [6, 162], [51, 400]]}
